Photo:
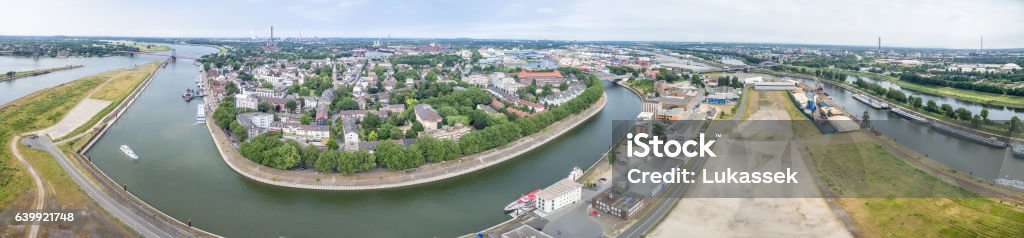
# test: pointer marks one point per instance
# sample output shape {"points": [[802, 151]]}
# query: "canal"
{"points": [[965, 156], [994, 112], [14, 89], [181, 173]]}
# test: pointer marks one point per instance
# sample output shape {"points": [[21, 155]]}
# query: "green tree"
{"points": [[984, 115], [11, 74], [391, 155], [371, 121], [291, 105], [264, 107], [239, 131], [932, 106], [328, 161], [1015, 126]]}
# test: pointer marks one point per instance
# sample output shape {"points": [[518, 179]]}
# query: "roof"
{"points": [[561, 187], [426, 112], [524, 232], [552, 74]]}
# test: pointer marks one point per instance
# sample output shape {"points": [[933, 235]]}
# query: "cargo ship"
{"points": [[876, 104], [949, 130], [908, 115], [1018, 150]]}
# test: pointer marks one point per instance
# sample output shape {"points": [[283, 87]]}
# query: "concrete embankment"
{"points": [[895, 105], [158, 218], [368, 181]]}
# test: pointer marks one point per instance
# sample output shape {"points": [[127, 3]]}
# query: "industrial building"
{"points": [[563, 193], [775, 86]]}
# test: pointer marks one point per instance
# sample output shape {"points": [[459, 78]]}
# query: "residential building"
{"points": [[426, 115], [350, 132], [255, 123], [246, 101], [321, 113]]}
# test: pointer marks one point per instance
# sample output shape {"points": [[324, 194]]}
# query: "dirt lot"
{"points": [[715, 210]]}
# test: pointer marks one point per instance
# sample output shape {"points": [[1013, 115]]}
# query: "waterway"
{"points": [[14, 89], [965, 156], [994, 112], [181, 174]]}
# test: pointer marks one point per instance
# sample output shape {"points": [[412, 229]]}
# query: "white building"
{"points": [[245, 101], [563, 193], [784, 86], [351, 133]]}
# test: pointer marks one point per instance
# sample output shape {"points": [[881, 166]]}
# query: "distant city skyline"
{"points": [[910, 23]]}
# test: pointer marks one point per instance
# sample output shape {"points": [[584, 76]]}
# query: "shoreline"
{"points": [[586, 174], [422, 175], [107, 183], [38, 72]]}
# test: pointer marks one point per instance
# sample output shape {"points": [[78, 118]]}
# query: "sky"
{"points": [[900, 23]]}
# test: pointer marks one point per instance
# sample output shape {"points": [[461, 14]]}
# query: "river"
{"points": [[181, 174], [13, 89], [965, 156]]}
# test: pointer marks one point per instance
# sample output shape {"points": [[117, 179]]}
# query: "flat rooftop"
{"points": [[561, 187]]}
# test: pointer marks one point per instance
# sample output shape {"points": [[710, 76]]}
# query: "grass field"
{"points": [[887, 197], [147, 47], [45, 108], [30, 113], [117, 90], [754, 100]]}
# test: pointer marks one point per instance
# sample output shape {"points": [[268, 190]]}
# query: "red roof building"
{"points": [[542, 78]]}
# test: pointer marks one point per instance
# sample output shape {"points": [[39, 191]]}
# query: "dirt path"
{"points": [[40, 188]]}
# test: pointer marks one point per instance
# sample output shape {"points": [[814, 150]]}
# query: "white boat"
{"points": [[128, 152], [1010, 182], [200, 113], [523, 202]]}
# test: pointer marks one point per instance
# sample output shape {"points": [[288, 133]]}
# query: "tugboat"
{"points": [[128, 152]]}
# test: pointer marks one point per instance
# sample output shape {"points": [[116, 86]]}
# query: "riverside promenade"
{"points": [[379, 179]]}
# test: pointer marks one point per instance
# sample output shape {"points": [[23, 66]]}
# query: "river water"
{"points": [[994, 112], [13, 89], [181, 174], [965, 156]]}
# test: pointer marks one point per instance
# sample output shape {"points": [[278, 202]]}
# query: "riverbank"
{"points": [[879, 182], [30, 73], [117, 200], [931, 117], [307, 179], [49, 108], [961, 94]]}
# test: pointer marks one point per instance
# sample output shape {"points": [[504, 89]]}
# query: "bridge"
{"points": [[173, 54], [609, 77]]}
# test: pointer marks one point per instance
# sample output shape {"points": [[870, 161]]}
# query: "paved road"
{"points": [[125, 214], [672, 196]]}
